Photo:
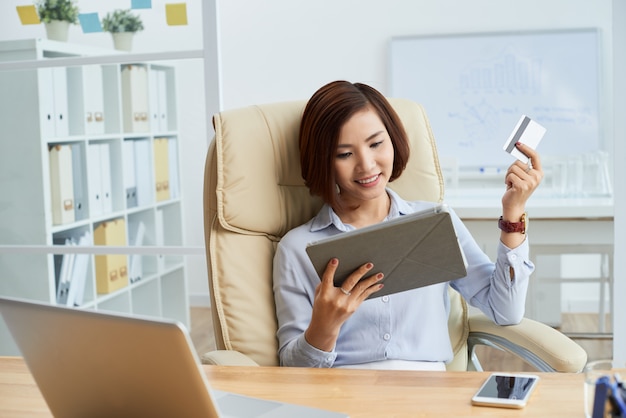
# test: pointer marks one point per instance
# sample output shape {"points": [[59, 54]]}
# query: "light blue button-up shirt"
{"points": [[411, 325]]}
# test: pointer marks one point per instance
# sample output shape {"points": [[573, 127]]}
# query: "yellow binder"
{"points": [[111, 269], [161, 169]]}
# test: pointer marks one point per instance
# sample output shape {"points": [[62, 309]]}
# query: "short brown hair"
{"points": [[326, 112]]}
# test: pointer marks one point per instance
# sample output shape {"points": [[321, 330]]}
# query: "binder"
{"points": [[159, 237], [153, 94], [94, 180], [93, 95], [135, 98], [162, 100], [65, 274], [61, 184], [76, 293], [173, 168], [105, 177], [161, 169], [111, 269], [130, 184], [136, 262], [61, 124], [143, 172], [79, 183], [46, 102], [100, 194]]}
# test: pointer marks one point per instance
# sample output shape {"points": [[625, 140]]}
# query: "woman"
{"points": [[352, 144]]}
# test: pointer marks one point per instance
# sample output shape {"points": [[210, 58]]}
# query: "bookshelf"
{"points": [[90, 156]]}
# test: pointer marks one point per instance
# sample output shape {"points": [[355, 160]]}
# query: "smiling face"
{"points": [[364, 159]]}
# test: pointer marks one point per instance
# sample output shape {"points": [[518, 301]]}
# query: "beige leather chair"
{"points": [[254, 194]]}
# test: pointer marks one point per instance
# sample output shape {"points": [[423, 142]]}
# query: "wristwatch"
{"points": [[520, 226]]}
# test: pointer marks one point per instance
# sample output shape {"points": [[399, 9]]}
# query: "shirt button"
{"points": [[513, 257], [385, 299], [387, 337]]}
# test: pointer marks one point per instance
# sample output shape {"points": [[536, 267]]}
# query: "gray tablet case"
{"points": [[412, 251]]}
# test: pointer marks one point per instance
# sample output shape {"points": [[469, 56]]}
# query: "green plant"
{"points": [[49, 10], [121, 21]]}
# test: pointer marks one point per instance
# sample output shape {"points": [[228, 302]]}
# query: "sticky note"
{"points": [[176, 14], [141, 4], [28, 15], [90, 22]]}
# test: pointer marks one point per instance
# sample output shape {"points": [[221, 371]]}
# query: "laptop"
{"points": [[414, 250], [93, 364]]}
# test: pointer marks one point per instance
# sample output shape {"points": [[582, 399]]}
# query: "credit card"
{"points": [[528, 132]]}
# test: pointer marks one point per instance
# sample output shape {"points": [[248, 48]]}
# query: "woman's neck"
{"points": [[365, 213]]}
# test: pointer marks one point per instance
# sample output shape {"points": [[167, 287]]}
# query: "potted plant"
{"points": [[122, 25], [57, 15]]}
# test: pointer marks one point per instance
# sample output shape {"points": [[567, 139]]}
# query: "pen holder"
{"points": [[604, 393]]}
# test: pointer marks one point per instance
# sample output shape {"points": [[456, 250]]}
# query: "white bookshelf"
{"points": [[84, 108]]}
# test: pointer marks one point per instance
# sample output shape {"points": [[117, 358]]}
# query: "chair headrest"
{"points": [[259, 186]]}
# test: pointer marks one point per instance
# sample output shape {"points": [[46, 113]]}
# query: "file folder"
{"points": [[135, 98], [61, 122], [161, 169], [111, 269], [80, 185], [61, 184], [96, 207], [143, 172], [65, 273], [130, 184], [105, 177], [136, 262], [80, 270], [93, 96], [173, 168]]}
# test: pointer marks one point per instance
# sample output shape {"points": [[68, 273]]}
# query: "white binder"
{"points": [[46, 102], [61, 125], [135, 98], [143, 172], [105, 177], [94, 99], [76, 293], [162, 100], [61, 184], [80, 186], [130, 182], [94, 180], [136, 262], [173, 168], [159, 237]]}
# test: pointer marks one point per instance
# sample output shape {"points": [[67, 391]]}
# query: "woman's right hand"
{"points": [[332, 305]]}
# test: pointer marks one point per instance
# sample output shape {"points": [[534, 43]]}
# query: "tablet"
{"points": [[412, 251]]}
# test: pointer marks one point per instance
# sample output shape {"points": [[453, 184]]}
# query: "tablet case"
{"points": [[412, 251]]}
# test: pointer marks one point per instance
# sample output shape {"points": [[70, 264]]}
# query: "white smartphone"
{"points": [[506, 390]]}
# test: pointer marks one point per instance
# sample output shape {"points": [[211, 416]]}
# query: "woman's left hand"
{"points": [[521, 181]]}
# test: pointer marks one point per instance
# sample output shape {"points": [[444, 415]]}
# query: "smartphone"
{"points": [[506, 390]]}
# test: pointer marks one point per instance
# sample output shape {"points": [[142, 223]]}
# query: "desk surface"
{"points": [[360, 393]]}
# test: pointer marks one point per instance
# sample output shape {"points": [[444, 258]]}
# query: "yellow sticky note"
{"points": [[28, 15], [176, 13]]}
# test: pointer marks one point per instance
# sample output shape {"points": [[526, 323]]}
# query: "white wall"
{"points": [[619, 85]]}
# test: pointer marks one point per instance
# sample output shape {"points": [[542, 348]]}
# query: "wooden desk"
{"points": [[360, 393]]}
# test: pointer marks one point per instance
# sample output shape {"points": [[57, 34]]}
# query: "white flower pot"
{"points": [[123, 41], [57, 30]]}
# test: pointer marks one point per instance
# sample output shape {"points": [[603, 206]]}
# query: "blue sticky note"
{"points": [[141, 4], [90, 22]]}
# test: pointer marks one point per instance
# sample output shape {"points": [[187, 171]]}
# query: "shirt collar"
{"points": [[327, 217]]}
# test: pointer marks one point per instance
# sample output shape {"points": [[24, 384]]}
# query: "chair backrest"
{"points": [[254, 194]]}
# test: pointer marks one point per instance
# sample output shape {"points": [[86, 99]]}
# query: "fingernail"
{"points": [[369, 265], [334, 261], [379, 276]]}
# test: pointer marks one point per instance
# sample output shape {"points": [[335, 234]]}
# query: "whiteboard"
{"points": [[475, 87]]}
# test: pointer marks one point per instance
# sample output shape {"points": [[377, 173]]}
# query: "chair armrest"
{"points": [[227, 358], [538, 344]]}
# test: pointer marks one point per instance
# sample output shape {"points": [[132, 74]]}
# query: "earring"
{"points": [[337, 188]]}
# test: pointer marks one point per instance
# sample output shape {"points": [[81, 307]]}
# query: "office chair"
{"points": [[254, 194]]}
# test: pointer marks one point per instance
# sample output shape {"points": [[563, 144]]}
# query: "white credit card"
{"points": [[528, 132]]}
